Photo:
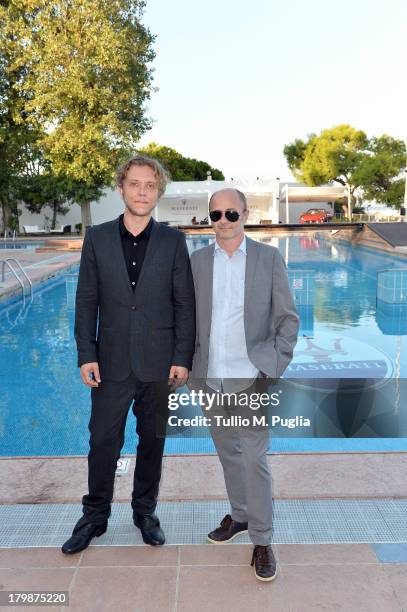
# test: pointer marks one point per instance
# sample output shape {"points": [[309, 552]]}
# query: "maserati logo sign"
{"points": [[351, 384], [331, 356]]}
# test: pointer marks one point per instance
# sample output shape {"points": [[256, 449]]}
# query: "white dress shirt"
{"points": [[228, 358]]}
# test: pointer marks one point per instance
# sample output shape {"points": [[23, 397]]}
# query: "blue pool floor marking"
{"points": [[391, 553]]}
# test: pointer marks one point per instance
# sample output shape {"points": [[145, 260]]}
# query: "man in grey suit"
{"points": [[135, 333], [247, 328]]}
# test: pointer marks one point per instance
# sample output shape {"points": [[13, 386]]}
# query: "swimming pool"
{"points": [[345, 332], [20, 245]]}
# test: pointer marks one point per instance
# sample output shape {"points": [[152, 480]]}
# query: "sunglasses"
{"points": [[231, 215]]}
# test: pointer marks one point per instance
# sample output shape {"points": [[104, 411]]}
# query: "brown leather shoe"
{"points": [[228, 530], [265, 567]]}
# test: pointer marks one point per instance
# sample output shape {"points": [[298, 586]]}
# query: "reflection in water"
{"points": [[309, 243], [306, 314], [15, 314]]}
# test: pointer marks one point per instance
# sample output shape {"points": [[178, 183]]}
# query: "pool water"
{"points": [[20, 245], [345, 332]]}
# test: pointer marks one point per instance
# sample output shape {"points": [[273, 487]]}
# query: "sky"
{"points": [[239, 80]]}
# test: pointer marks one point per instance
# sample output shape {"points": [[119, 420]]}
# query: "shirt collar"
{"points": [[125, 232], [241, 247]]}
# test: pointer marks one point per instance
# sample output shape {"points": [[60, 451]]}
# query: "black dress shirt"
{"points": [[134, 250]]}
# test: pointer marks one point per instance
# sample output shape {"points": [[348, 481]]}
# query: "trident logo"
{"points": [[320, 354]]}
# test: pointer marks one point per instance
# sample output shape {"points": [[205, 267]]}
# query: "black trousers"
{"points": [[110, 405]]}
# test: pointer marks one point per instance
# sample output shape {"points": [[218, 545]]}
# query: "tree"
{"points": [[87, 67], [380, 174], [18, 129], [42, 190], [346, 156], [181, 168]]}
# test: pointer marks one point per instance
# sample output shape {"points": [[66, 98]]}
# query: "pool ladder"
{"points": [[6, 262]]}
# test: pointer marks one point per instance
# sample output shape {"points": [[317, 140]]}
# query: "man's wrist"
{"points": [[91, 358], [181, 362]]}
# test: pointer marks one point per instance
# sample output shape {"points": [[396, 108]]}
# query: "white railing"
{"points": [[370, 217]]}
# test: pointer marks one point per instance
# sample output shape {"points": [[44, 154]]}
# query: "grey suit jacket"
{"points": [[270, 318], [145, 331]]}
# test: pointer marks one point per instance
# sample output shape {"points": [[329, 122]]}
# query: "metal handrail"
{"points": [[7, 261]]}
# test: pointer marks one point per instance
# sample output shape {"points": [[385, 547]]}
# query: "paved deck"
{"points": [[38, 266], [347, 577], [209, 578], [199, 477]]}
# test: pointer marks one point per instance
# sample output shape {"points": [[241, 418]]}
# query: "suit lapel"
{"points": [[252, 254], [118, 258], [151, 250], [207, 276]]}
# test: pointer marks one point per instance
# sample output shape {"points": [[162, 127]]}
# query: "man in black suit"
{"points": [[135, 332]]}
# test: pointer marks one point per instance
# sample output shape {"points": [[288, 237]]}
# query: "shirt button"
{"points": [[134, 263], [133, 282], [134, 243], [133, 308]]}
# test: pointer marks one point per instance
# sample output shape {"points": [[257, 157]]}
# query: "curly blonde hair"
{"points": [[160, 172]]}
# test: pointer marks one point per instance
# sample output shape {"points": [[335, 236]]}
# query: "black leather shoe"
{"points": [[227, 530], [81, 539], [265, 567], [149, 526]]}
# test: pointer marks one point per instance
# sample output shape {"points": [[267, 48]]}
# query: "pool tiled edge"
{"points": [[11, 294]]}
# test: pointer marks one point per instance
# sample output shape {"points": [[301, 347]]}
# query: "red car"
{"points": [[316, 215]]}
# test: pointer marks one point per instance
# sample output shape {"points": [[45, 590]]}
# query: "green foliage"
{"points": [[179, 167], [46, 190], [18, 128], [346, 156], [295, 152], [380, 171], [88, 72], [79, 70]]}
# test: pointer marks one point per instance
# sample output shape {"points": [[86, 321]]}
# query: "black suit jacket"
{"points": [[145, 331]]}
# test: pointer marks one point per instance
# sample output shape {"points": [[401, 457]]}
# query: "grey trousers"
{"points": [[243, 454]]}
